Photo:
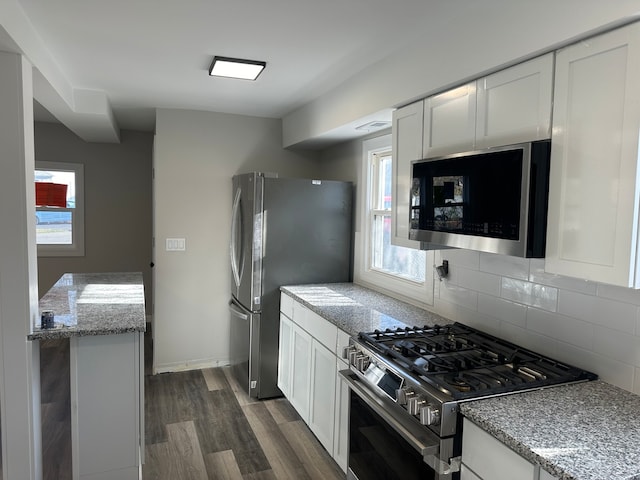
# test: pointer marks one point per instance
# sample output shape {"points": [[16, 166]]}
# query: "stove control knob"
{"points": [[415, 404], [403, 395], [362, 362], [429, 415], [353, 354], [346, 351]]}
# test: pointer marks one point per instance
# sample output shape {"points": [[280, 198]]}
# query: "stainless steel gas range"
{"points": [[406, 385]]}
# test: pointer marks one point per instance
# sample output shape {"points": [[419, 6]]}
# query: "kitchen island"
{"points": [[581, 431], [103, 315]]}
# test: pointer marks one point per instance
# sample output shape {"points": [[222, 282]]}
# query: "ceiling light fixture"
{"points": [[236, 68]]}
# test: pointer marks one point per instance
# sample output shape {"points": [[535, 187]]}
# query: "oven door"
{"points": [[386, 443]]}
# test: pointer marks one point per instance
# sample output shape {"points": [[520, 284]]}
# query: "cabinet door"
{"points": [[285, 360], [341, 420], [300, 368], [450, 121], [323, 381], [593, 193], [514, 105], [491, 459], [407, 146]]}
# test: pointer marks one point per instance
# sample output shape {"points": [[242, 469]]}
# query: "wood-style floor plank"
{"points": [[215, 379], [313, 456], [282, 457], [185, 453], [222, 466]]}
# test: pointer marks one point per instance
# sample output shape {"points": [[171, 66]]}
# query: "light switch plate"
{"points": [[176, 245]]}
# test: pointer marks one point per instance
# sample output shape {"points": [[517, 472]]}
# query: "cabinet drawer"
{"points": [[286, 305], [322, 330]]}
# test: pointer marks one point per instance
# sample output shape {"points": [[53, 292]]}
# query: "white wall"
{"points": [[196, 154], [461, 44]]}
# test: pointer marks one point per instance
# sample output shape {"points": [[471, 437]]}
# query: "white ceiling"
{"points": [[147, 54]]}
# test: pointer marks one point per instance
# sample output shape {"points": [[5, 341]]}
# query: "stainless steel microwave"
{"points": [[493, 200]]}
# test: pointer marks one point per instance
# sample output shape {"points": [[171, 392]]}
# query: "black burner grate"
{"points": [[464, 362]]}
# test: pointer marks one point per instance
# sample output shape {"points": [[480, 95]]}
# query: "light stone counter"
{"points": [[93, 304], [585, 431], [355, 309]]}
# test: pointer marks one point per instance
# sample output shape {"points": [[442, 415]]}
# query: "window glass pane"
{"points": [[54, 227], [388, 258], [385, 173]]}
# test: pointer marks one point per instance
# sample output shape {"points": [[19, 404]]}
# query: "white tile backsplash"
{"points": [[459, 257], [538, 275], [458, 295], [586, 324], [505, 266], [533, 294], [601, 311], [505, 310], [478, 281], [617, 345], [565, 329], [620, 294]]}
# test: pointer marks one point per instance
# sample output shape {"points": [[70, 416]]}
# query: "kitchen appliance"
{"points": [[283, 231], [406, 386], [493, 200]]}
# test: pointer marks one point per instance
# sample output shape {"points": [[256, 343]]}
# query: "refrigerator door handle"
{"points": [[237, 311], [236, 222]]}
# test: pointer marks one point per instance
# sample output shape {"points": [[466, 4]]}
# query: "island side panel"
{"points": [[106, 406]]}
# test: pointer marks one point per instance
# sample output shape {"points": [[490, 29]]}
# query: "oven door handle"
{"points": [[423, 440]]}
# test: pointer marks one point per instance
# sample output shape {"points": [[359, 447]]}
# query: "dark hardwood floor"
{"points": [[198, 425]]}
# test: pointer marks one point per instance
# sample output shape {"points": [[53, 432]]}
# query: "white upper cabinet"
{"points": [[449, 121], [593, 195], [407, 146], [510, 106], [514, 105]]}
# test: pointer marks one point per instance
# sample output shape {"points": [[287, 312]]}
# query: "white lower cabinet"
{"points": [[486, 458], [323, 388], [284, 354], [308, 376], [300, 371]]}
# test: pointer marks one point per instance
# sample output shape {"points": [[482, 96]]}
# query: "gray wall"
{"points": [[118, 203], [196, 154]]}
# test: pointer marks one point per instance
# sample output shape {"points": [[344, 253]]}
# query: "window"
{"points": [[60, 230], [379, 263]]}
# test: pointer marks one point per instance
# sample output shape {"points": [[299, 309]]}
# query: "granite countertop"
{"points": [[584, 431], [355, 309], [93, 304]]}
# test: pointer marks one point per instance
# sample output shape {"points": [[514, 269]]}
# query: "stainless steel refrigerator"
{"points": [[284, 231]]}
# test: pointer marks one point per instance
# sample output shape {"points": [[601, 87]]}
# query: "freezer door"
{"points": [[244, 347], [246, 240]]}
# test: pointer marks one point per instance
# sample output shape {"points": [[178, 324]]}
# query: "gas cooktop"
{"points": [[463, 362]]}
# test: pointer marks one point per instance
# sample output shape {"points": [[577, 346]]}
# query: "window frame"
{"points": [[76, 248], [365, 273]]}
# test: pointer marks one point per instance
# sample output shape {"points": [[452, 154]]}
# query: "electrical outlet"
{"points": [[176, 245]]}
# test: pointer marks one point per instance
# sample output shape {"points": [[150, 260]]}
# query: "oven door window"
{"points": [[376, 451]]}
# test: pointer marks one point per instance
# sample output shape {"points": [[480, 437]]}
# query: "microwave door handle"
{"points": [[236, 221]]}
